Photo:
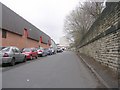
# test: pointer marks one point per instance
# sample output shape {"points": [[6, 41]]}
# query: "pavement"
{"points": [[105, 75], [62, 70]]}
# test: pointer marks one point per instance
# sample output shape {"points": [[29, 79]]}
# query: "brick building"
{"points": [[16, 31]]}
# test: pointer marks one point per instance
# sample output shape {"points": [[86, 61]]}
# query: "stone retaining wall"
{"points": [[102, 41]]}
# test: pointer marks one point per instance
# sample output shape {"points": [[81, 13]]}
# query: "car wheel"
{"points": [[25, 59], [42, 55], [31, 57], [36, 57], [12, 63]]}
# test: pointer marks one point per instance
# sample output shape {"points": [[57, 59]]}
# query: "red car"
{"points": [[30, 53]]}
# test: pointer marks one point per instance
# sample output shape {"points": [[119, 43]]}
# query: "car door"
{"points": [[34, 52], [16, 54], [20, 55]]}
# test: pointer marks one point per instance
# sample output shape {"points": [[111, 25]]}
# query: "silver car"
{"points": [[11, 55], [1, 47]]}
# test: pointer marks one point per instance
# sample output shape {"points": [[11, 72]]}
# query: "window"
{"points": [[6, 49], [26, 50], [25, 32], [4, 33], [33, 50], [14, 50], [17, 50]]}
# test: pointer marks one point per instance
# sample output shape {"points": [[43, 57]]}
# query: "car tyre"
{"points": [[25, 59], [42, 55], [36, 57], [12, 63], [31, 58]]}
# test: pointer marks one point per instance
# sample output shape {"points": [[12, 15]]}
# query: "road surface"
{"points": [[62, 70]]}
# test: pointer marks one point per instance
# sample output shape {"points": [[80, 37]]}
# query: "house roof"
{"points": [[15, 23]]}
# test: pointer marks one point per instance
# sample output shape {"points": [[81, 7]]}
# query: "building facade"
{"points": [[16, 31]]}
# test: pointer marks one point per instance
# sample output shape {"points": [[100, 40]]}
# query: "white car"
{"points": [[40, 51], [59, 50], [53, 51]]}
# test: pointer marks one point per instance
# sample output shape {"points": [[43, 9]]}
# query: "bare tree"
{"points": [[93, 8], [78, 22]]}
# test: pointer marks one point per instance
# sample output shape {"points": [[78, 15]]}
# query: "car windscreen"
{"points": [[40, 48], [45, 49], [26, 50]]}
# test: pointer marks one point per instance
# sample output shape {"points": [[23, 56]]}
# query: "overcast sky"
{"points": [[47, 15]]}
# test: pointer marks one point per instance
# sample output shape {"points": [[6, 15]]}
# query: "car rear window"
{"points": [[6, 49], [1, 47], [40, 48], [26, 50]]}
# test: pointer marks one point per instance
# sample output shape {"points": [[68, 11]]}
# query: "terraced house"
{"points": [[16, 31]]}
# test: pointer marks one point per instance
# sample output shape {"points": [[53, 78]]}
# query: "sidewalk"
{"points": [[103, 73]]}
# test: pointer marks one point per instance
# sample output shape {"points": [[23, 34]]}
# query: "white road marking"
{"points": [[28, 80]]}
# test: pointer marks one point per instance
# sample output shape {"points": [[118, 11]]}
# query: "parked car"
{"points": [[1, 47], [40, 51], [30, 53], [49, 51], [52, 50], [59, 50], [63, 48], [45, 52], [11, 55]]}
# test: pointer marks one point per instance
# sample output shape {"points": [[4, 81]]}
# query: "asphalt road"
{"points": [[62, 70]]}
